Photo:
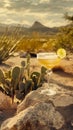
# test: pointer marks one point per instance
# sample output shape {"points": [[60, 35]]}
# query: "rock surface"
{"points": [[45, 108], [41, 116], [59, 96]]}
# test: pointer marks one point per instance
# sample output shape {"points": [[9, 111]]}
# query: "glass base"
{"points": [[49, 71]]}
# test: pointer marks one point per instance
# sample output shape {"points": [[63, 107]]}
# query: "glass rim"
{"points": [[47, 55]]}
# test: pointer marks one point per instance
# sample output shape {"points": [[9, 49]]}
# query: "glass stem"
{"points": [[49, 72]]}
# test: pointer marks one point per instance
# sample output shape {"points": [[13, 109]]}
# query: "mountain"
{"points": [[36, 27]]}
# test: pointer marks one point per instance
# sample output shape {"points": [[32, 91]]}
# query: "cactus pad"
{"points": [[22, 63], [15, 73], [35, 74]]}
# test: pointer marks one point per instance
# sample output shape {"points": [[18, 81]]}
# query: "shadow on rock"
{"points": [[67, 113]]}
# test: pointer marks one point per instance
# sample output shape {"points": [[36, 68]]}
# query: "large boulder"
{"points": [[45, 108], [60, 97], [41, 116]]}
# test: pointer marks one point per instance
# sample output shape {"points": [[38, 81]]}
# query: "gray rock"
{"points": [[59, 97], [40, 116], [43, 109]]}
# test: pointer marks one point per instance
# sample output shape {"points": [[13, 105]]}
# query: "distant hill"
{"points": [[36, 27]]}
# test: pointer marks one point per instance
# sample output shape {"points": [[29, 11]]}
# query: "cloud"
{"points": [[39, 6], [1, 4], [44, 1], [7, 3], [49, 12], [20, 5]]}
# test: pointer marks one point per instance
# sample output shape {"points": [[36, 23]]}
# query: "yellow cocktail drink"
{"points": [[48, 60]]}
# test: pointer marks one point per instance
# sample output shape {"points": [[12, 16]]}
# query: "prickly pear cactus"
{"points": [[20, 81], [22, 87], [35, 76], [15, 81], [43, 72], [22, 70], [23, 63], [8, 74], [28, 86], [28, 58], [7, 89], [20, 96], [28, 65], [15, 73]]}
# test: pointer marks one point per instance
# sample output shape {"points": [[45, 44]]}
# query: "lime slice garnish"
{"points": [[61, 52]]}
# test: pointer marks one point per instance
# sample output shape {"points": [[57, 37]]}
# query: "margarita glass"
{"points": [[48, 60]]}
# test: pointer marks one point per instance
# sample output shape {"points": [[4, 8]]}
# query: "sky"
{"points": [[26, 12]]}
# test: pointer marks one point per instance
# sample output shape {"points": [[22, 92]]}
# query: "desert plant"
{"points": [[28, 64], [14, 81], [35, 76], [2, 76], [5, 83], [7, 48], [18, 84], [8, 43], [43, 73]]}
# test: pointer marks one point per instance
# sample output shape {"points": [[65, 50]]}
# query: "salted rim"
{"points": [[49, 55]]}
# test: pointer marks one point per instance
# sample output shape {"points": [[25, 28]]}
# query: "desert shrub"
{"points": [[8, 43], [63, 39]]}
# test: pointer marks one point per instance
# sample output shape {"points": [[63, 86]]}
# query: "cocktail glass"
{"points": [[48, 60]]}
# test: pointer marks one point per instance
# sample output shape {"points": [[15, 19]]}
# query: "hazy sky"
{"points": [[48, 12]]}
